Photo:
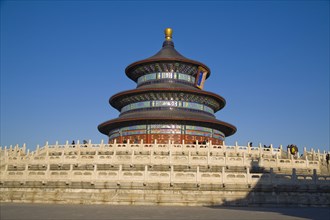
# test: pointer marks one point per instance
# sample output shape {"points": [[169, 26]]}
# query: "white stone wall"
{"points": [[201, 169]]}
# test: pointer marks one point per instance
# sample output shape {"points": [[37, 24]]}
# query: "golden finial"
{"points": [[168, 33]]}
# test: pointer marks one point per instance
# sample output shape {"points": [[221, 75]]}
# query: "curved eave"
{"points": [[114, 99], [224, 127], [134, 65]]}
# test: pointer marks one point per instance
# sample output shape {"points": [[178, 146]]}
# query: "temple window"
{"points": [[168, 103], [166, 75]]}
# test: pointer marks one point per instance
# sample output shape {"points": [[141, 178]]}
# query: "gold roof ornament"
{"points": [[168, 34]]}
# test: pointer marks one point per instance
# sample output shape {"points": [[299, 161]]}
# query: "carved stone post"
{"points": [[223, 177], [314, 176]]}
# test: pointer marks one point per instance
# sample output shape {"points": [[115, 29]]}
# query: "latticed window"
{"points": [[167, 103], [166, 75]]}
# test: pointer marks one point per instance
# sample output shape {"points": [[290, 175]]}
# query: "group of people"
{"points": [[202, 142], [84, 142]]}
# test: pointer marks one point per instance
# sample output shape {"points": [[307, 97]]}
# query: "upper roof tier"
{"points": [[167, 54]]}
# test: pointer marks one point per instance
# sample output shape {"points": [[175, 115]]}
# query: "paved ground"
{"points": [[17, 211]]}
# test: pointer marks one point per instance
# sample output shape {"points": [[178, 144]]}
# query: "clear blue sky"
{"points": [[62, 60]]}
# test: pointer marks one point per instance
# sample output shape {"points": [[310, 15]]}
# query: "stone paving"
{"points": [[17, 211]]}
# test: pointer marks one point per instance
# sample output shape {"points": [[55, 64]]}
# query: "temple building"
{"points": [[169, 103]]}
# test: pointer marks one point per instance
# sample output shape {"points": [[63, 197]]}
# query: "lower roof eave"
{"points": [[224, 127]]}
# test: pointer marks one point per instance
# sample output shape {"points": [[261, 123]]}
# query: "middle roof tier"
{"points": [[167, 97]]}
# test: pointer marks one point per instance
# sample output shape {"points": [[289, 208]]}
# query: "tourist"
{"points": [[327, 158]]}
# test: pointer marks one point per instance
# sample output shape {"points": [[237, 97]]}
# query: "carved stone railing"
{"points": [[236, 149], [167, 154], [147, 175]]}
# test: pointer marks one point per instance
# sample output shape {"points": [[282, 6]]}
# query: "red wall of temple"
{"points": [[164, 138]]}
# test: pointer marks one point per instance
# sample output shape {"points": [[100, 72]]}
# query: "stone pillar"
{"points": [[271, 150], [146, 177], [314, 176], [226, 158], [24, 148], [189, 157], [197, 175], [94, 172], [132, 157], [294, 175], [271, 174], [261, 162], [244, 159], [151, 156], [260, 149], [223, 177], [248, 177], [62, 157], [6, 153], [47, 173], [170, 157], [120, 172], [171, 174], [25, 175]]}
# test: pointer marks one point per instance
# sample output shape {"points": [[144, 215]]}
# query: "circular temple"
{"points": [[169, 103]]}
